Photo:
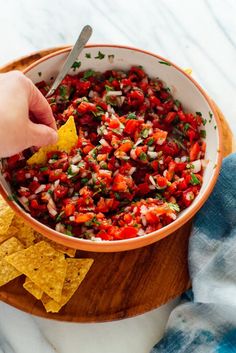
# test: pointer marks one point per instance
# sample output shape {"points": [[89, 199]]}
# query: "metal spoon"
{"points": [[84, 36]]}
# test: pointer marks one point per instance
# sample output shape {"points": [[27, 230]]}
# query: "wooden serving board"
{"points": [[119, 285]]}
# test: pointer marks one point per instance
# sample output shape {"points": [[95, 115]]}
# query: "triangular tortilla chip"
{"points": [[32, 288], [7, 271], [45, 266], [67, 139], [6, 216], [76, 272]]}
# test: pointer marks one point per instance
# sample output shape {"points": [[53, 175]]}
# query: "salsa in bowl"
{"points": [[145, 159]]}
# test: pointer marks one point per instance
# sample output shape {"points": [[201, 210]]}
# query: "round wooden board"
{"points": [[119, 285]]}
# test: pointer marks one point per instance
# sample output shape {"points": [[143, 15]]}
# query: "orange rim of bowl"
{"points": [[133, 243]]}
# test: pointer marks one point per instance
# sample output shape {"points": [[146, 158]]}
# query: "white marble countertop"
{"points": [[197, 34]]}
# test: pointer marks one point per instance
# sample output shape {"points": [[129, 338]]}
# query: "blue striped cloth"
{"points": [[205, 321]]}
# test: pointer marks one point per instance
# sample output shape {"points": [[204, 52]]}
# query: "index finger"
{"points": [[40, 107]]}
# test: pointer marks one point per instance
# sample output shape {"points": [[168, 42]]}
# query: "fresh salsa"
{"points": [[138, 161]]}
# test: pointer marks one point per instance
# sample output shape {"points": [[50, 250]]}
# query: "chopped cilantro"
{"points": [[117, 195], [151, 141], [143, 156], [108, 88], [177, 103], [174, 206], [199, 113], [76, 65], [145, 133], [100, 56], [50, 192], [203, 134], [211, 116], [88, 55], [111, 79], [68, 232], [43, 169], [63, 91], [84, 180], [131, 116], [204, 121], [164, 63], [54, 156], [88, 73], [194, 180], [186, 127], [58, 218]]}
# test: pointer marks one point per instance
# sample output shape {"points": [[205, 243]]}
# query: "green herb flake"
{"points": [[194, 180], [177, 103], [117, 196], [204, 121], [100, 56], [88, 73], [131, 116], [43, 169], [111, 79], [151, 141], [145, 133], [174, 206], [164, 63], [189, 166], [199, 113], [63, 91], [143, 156], [40, 73], [58, 218], [76, 65], [68, 232], [186, 127], [108, 88], [50, 192], [211, 116], [84, 180], [215, 127], [203, 134], [88, 55], [54, 156]]}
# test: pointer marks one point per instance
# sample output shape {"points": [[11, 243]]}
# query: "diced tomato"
{"points": [[69, 209], [83, 217], [128, 232], [131, 126], [194, 151]]}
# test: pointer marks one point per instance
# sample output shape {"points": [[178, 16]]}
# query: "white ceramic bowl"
{"points": [[183, 88]]}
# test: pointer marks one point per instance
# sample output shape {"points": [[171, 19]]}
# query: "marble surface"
{"points": [[197, 34]]}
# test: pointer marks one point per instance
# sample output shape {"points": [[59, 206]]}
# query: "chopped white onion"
{"points": [[56, 183], [152, 180], [132, 170], [27, 175], [152, 155], [91, 94], [184, 159], [72, 218], [76, 159], [197, 166], [138, 142], [114, 93], [40, 189], [74, 169], [103, 142]]}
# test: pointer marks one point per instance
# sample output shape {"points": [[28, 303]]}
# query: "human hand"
{"points": [[18, 98]]}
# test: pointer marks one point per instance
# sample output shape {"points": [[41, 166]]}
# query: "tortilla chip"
{"points": [[6, 216], [32, 288], [67, 138], [10, 233], [45, 266], [59, 247], [7, 271], [76, 272]]}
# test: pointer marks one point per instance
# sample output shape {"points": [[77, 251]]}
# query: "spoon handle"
{"points": [[84, 36]]}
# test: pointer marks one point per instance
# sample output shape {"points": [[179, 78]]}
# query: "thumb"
{"points": [[41, 135]]}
